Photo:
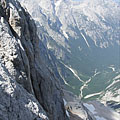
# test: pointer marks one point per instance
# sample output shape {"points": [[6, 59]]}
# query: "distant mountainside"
{"points": [[85, 38], [75, 43]]}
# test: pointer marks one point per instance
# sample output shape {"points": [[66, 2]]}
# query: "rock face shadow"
{"points": [[74, 117]]}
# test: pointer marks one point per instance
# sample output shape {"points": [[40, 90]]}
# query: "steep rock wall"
{"points": [[21, 62]]}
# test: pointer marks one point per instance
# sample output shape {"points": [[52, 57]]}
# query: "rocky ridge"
{"points": [[29, 90]]}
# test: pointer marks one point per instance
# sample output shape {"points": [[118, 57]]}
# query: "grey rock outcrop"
{"points": [[28, 89], [15, 102]]}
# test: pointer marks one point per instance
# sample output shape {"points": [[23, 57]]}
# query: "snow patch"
{"points": [[20, 45], [110, 96], [114, 82], [65, 34], [113, 69], [86, 84], [74, 72], [117, 77], [90, 107], [58, 3], [2, 20], [85, 40], [91, 95], [64, 79], [79, 48], [65, 102], [49, 46], [99, 118], [104, 45], [67, 113]]}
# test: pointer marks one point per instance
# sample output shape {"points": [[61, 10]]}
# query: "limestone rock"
{"points": [[24, 75], [15, 102]]}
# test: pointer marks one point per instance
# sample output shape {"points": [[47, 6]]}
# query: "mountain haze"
{"points": [[59, 60], [84, 37]]}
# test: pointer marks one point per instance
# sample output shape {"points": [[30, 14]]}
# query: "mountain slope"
{"points": [[29, 90], [83, 35]]}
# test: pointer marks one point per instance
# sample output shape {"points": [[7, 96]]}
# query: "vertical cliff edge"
{"points": [[28, 89]]}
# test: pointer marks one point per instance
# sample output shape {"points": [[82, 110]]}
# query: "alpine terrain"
{"points": [[84, 35], [29, 90], [59, 59]]}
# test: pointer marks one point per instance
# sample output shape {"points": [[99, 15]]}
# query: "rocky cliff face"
{"points": [[28, 89]]}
